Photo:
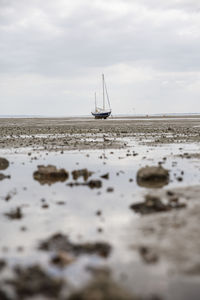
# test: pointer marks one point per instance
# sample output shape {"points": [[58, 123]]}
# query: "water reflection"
{"points": [[74, 211]]}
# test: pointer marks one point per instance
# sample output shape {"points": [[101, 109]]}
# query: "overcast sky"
{"points": [[52, 55]]}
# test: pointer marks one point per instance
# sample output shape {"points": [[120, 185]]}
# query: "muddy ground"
{"points": [[82, 217], [75, 133]]}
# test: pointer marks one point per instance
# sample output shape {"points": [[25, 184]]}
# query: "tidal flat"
{"points": [[100, 209]]}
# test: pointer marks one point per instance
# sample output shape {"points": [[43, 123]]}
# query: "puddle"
{"points": [[88, 215]]}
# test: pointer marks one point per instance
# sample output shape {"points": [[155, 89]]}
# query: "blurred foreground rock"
{"points": [[81, 173], [60, 242], [153, 204], [50, 174], [152, 177], [34, 281], [4, 163], [102, 289]]}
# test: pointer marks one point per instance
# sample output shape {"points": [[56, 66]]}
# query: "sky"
{"points": [[52, 55]]}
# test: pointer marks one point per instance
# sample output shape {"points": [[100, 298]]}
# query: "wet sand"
{"points": [[83, 218], [76, 133]]}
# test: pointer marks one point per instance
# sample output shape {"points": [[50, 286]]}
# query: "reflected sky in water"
{"points": [[76, 217]]}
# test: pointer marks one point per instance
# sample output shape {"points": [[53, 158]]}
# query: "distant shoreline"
{"points": [[139, 116]]}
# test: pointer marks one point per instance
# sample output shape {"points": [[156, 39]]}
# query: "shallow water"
{"points": [[77, 216]]}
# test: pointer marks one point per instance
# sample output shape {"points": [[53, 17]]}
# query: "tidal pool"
{"points": [[89, 215]]}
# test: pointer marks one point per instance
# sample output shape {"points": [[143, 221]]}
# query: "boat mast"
{"points": [[107, 95], [103, 92], [95, 101]]}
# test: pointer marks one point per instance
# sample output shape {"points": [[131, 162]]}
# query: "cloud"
{"points": [[141, 44]]}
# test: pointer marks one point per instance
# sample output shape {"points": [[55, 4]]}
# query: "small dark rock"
{"points": [[60, 202], [148, 255], [2, 265], [98, 213], [92, 184], [105, 176], [8, 197], [23, 228], [170, 193], [45, 206], [4, 163], [20, 249], [15, 214], [2, 176], [81, 173], [95, 184], [179, 178], [62, 258], [110, 189]]}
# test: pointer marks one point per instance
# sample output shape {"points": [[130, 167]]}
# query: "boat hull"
{"points": [[103, 115]]}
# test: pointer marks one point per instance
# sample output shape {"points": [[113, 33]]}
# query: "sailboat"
{"points": [[102, 113]]}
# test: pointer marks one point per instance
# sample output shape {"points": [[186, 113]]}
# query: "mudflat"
{"points": [[100, 209], [87, 133]]}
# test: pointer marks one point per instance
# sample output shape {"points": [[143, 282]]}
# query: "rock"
{"points": [[60, 242], [101, 248], [2, 176], [81, 173], [20, 248], [2, 265], [4, 163], [170, 193], [62, 258], [152, 177], [179, 178], [60, 202], [148, 255], [50, 174], [105, 176], [92, 184], [99, 213], [23, 228], [95, 184], [110, 189], [34, 281], [15, 214], [8, 197], [45, 206], [153, 204], [3, 295]]}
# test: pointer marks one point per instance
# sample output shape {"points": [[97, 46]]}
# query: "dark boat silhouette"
{"points": [[102, 113]]}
